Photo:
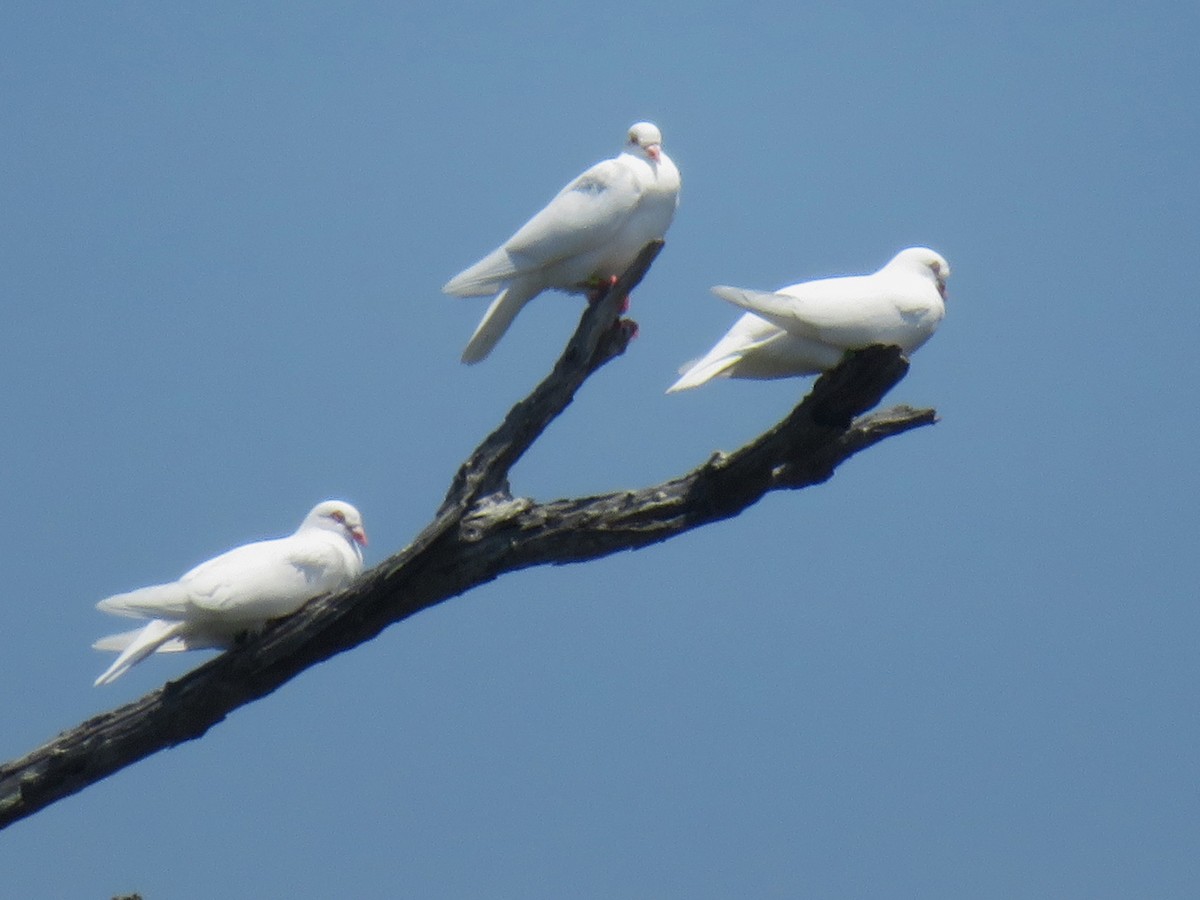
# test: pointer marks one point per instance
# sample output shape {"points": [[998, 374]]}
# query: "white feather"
{"points": [[592, 230], [240, 589], [806, 328]]}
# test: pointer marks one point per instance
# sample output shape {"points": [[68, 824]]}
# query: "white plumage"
{"points": [[592, 230], [239, 590], [806, 328]]}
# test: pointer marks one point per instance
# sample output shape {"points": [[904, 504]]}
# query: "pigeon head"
{"points": [[338, 516], [925, 261], [644, 137]]}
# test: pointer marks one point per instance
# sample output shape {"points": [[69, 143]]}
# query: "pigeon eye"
{"points": [[338, 516]]}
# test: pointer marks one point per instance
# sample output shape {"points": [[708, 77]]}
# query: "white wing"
{"points": [[819, 310], [585, 215], [254, 582], [239, 589], [848, 313], [167, 601], [267, 579]]}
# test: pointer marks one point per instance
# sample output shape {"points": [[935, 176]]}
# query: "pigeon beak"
{"points": [[942, 288], [359, 535], [654, 151]]}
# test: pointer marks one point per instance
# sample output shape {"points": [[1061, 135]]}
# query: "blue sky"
{"points": [[964, 667]]}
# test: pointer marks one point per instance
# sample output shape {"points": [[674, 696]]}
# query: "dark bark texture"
{"points": [[479, 533]]}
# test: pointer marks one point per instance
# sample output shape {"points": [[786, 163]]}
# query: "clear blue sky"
{"points": [[966, 667]]}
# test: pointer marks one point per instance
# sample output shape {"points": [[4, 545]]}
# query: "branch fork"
{"points": [[479, 533]]}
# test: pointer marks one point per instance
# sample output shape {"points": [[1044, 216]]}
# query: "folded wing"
{"points": [[584, 216]]}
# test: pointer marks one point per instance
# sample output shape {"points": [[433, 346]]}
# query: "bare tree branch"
{"points": [[479, 533]]}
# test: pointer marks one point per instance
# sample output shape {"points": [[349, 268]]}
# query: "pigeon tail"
{"points": [[496, 320], [115, 643], [702, 371], [145, 642]]}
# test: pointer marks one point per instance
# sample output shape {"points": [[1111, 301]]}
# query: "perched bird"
{"points": [[585, 236], [807, 328], [240, 589]]}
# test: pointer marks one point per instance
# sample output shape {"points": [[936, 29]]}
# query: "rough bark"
{"points": [[479, 533]]}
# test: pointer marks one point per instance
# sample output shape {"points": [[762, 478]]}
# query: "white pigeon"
{"points": [[808, 327], [240, 589], [585, 236]]}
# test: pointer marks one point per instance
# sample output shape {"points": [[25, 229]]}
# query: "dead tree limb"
{"points": [[479, 533]]}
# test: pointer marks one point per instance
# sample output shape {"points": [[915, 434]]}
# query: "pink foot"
{"points": [[602, 287]]}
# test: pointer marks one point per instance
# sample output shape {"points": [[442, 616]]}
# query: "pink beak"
{"points": [[654, 151], [359, 536]]}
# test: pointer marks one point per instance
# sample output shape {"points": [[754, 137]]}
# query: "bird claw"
{"points": [[628, 327], [598, 288]]}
